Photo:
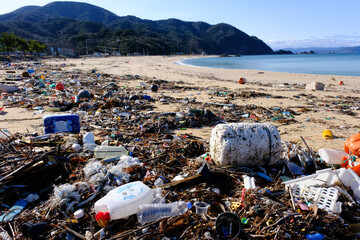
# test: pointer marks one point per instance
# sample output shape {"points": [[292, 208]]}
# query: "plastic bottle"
{"points": [[158, 182], [158, 197], [153, 212], [122, 202], [110, 151], [332, 156]]}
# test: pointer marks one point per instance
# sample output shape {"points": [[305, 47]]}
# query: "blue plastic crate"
{"points": [[61, 123]]}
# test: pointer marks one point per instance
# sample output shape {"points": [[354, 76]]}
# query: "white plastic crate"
{"points": [[328, 200], [324, 198], [328, 177]]}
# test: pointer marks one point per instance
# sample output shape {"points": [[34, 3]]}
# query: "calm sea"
{"points": [[330, 64]]}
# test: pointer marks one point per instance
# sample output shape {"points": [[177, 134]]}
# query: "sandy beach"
{"points": [[336, 108]]}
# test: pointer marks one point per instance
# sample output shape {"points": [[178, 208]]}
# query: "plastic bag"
{"points": [[128, 161], [65, 191], [353, 145], [93, 168]]}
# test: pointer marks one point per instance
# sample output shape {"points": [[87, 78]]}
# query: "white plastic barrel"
{"points": [[332, 156], [125, 200], [245, 144]]}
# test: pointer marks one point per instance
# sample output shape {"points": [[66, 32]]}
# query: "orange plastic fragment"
{"points": [[346, 165], [242, 81], [353, 145]]}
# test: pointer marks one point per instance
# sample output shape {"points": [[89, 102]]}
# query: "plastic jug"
{"points": [[109, 151], [122, 202], [332, 156]]}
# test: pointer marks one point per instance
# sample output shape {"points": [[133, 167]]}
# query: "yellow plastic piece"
{"points": [[235, 205], [269, 222], [327, 134]]}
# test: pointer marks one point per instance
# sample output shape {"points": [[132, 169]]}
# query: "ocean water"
{"points": [[329, 64]]}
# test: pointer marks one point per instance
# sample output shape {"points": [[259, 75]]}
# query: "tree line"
{"points": [[11, 42]]}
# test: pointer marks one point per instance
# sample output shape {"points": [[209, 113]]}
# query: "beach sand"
{"points": [[318, 110]]}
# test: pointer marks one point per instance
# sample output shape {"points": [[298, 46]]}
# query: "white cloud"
{"points": [[338, 40]]}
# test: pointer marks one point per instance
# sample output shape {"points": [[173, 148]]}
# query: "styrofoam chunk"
{"points": [[245, 144]]}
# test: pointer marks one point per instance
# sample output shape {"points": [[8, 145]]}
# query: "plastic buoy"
{"points": [[59, 86], [341, 83], [242, 81]]}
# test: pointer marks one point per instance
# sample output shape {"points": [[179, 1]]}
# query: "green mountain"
{"points": [[85, 27], [322, 50], [350, 50], [75, 10]]}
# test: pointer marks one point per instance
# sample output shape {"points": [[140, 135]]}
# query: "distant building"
{"points": [[63, 51]]}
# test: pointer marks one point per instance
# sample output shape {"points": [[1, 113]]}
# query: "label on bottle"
{"points": [[129, 191]]}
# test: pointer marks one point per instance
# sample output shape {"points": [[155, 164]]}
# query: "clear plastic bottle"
{"points": [[110, 151], [153, 212]]}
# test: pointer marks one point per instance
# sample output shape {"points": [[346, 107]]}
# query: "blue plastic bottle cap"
{"points": [[189, 205]]}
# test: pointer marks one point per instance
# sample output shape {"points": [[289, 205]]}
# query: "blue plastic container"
{"points": [[315, 236], [61, 123]]}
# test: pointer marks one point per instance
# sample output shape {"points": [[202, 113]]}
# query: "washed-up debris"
{"points": [[113, 167], [316, 86], [245, 144], [333, 156]]}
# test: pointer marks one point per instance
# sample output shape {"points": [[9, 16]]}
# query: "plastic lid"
{"points": [[102, 216], [99, 216], [79, 213], [106, 216]]}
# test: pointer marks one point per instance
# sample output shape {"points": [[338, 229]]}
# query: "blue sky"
{"points": [[279, 23]]}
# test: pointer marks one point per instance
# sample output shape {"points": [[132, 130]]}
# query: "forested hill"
{"points": [[87, 28]]}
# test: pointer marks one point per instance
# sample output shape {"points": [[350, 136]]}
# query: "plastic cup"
{"points": [[201, 207]]}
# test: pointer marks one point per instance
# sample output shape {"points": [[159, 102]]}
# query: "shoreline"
{"points": [[260, 70], [150, 69], [268, 90]]}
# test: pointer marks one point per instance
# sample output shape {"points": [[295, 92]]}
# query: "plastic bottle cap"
{"points": [[76, 147], [201, 207], [79, 213]]}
